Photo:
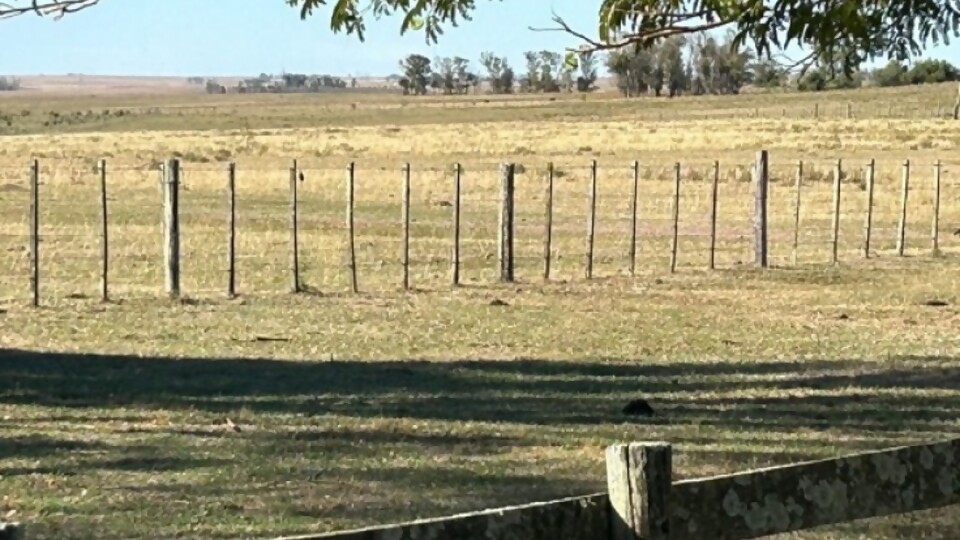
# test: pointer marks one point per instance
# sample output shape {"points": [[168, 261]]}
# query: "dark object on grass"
{"points": [[301, 176], [638, 407], [936, 303], [843, 317], [498, 302]]}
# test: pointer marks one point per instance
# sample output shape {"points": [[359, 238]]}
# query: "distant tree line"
{"points": [[9, 84], [697, 64], [546, 72], [284, 83]]}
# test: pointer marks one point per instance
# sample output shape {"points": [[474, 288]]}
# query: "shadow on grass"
{"points": [[776, 394]]}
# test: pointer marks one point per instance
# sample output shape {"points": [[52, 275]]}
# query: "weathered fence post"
{"points": [[902, 226], [231, 230], [796, 213], [956, 106], [351, 243], [506, 229], [835, 242], [455, 258], [634, 195], [849, 111], [35, 233], [816, 110], [104, 239], [405, 218], [294, 232], [548, 222], [591, 221], [761, 174], [714, 192], [935, 230], [675, 241], [171, 227], [868, 225], [638, 484]]}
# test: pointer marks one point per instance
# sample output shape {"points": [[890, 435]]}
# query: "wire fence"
{"points": [[101, 234]]}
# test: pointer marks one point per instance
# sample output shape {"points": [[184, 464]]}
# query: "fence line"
{"points": [[633, 221]]}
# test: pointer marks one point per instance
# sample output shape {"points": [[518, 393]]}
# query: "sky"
{"points": [[205, 38]]}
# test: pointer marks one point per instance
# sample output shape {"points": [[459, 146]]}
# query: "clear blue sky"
{"points": [[205, 37]]}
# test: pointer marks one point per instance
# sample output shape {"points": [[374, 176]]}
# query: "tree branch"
{"points": [[44, 8]]}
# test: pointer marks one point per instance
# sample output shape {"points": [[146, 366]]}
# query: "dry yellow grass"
{"points": [[387, 406]]}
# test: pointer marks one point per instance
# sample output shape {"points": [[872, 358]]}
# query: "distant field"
{"points": [[383, 406]]}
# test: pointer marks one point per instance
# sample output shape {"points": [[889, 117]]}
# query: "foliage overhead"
{"points": [[842, 33]]}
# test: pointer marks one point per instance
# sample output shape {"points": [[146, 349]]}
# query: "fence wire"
{"points": [[273, 257]]}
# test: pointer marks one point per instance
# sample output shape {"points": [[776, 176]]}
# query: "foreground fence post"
{"points": [[12, 531], [35, 233], [902, 226], [638, 484], [714, 192], [231, 230], [675, 237], [796, 213], [505, 231], [104, 239], [171, 226], [761, 178]]}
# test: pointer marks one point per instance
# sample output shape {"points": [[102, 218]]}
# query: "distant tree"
{"points": [[9, 84], [931, 71], [588, 72], [213, 87], [531, 79], [768, 74], [892, 74], [500, 75], [416, 69], [631, 67], [670, 57]]}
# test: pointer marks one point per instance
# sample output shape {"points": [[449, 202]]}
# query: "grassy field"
{"points": [[275, 414]]}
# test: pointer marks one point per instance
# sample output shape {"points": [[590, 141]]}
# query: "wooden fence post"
{"points": [[591, 221], [935, 229], [548, 222], [675, 242], [294, 232], [455, 259], [796, 213], [714, 192], [231, 230], [902, 226], [761, 173], [849, 111], [171, 227], [35, 233], [104, 239], [351, 243], [835, 242], [816, 110], [506, 229], [639, 476], [634, 195], [956, 106], [868, 225], [405, 217]]}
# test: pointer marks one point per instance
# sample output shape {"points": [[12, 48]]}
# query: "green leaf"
{"points": [[416, 23], [571, 61]]}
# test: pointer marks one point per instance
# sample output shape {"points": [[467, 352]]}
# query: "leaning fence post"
{"points": [[505, 231], [868, 225], [902, 226], [405, 218], [761, 174], [935, 230], [675, 240], [171, 228], [638, 485], [351, 243], [294, 232], [796, 213], [714, 192], [35, 233], [104, 240]]}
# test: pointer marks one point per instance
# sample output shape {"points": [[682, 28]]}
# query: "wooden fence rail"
{"points": [[506, 256], [642, 502]]}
